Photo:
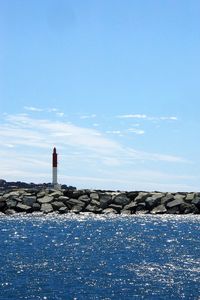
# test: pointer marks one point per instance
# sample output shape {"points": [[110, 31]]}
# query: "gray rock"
{"points": [[169, 197], [116, 207], [132, 195], [84, 198], [179, 196], [29, 200], [142, 212], [46, 208], [77, 209], [160, 209], [93, 208], [36, 207], [122, 199], [11, 203], [95, 202], [125, 212], [94, 196], [188, 208], [23, 208], [57, 205], [176, 202], [153, 200], [63, 210], [63, 199], [2, 205], [105, 200], [196, 202], [141, 197], [190, 197], [56, 194], [108, 211], [45, 199], [173, 210], [10, 212], [131, 206], [74, 202], [41, 194]]}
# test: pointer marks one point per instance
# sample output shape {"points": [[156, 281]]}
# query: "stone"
{"points": [[10, 212], [169, 197], [63, 199], [132, 195], [173, 210], [74, 202], [116, 207], [41, 194], [131, 206], [45, 199], [95, 202], [190, 197], [63, 210], [105, 200], [12, 194], [108, 211], [36, 207], [29, 200], [84, 198], [188, 208], [125, 212], [142, 212], [11, 203], [57, 205], [196, 202], [94, 196], [2, 205], [23, 208], [122, 199], [56, 194], [46, 208], [175, 202], [141, 197], [179, 196], [93, 208], [160, 209], [77, 208], [153, 200]]}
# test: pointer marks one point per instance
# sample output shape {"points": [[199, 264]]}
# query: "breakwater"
{"points": [[47, 200]]}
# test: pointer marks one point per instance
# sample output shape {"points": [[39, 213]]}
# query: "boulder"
{"points": [[41, 194], [116, 207], [12, 194], [190, 197], [94, 196], [108, 211], [160, 209], [131, 206], [11, 203], [173, 210], [29, 200], [57, 205], [176, 202], [36, 207], [122, 199], [63, 199], [77, 209], [84, 198], [45, 199], [105, 200], [132, 195], [141, 197], [169, 197], [188, 208], [56, 194], [23, 208], [63, 210], [179, 196], [10, 212], [92, 208], [46, 208], [72, 202], [2, 205], [125, 212], [196, 202], [153, 200]]}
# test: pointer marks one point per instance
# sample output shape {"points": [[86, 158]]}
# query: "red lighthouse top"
{"points": [[54, 158]]}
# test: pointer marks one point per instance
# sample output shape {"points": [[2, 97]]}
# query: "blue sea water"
{"points": [[85, 257]]}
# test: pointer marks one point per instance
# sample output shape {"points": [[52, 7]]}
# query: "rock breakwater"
{"points": [[48, 200]]}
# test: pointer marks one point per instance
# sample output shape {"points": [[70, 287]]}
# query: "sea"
{"points": [[99, 257]]}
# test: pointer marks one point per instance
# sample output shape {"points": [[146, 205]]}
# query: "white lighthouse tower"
{"points": [[54, 168]]}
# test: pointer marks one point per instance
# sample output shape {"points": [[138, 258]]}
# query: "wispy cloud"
{"points": [[31, 108], [145, 117], [136, 131], [92, 116]]}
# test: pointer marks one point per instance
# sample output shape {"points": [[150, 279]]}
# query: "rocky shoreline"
{"points": [[64, 200]]}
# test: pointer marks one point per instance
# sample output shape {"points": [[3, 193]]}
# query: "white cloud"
{"points": [[145, 117], [92, 116], [136, 131], [113, 131], [31, 108]]}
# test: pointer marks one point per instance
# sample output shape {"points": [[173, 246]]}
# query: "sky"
{"points": [[114, 85]]}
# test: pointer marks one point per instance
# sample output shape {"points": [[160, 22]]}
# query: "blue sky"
{"points": [[114, 85]]}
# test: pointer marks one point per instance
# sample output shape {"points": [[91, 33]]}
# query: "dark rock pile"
{"points": [[48, 200]]}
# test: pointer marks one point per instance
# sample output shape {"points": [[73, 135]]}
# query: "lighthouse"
{"points": [[54, 167]]}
